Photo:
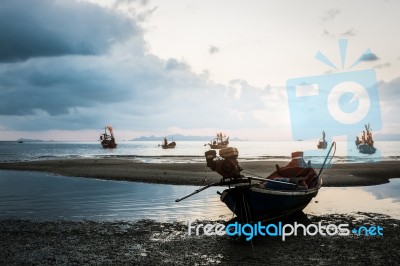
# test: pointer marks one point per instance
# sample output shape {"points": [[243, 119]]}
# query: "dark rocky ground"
{"points": [[147, 242]]}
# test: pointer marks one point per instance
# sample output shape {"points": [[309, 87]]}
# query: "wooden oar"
{"points": [[244, 180]]}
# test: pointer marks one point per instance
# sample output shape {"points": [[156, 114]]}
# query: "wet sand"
{"points": [[355, 174], [149, 242]]}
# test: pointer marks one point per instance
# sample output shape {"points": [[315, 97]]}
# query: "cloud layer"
{"points": [[73, 65], [54, 28]]}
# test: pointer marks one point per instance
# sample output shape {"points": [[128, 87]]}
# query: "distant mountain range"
{"points": [[30, 140], [179, 137]]}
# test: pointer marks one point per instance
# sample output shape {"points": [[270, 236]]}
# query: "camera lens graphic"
{"points": [[359, 94]]}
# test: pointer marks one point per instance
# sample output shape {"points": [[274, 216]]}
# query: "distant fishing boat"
{"points": [[108, 141], [167, 145], [219, 142], [322, 144], [366, 143], [286, 191], [20, 141]]}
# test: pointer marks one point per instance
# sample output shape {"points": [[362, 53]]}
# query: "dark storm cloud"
{"points": [[53, 28], [57, 85], [88, 66], [390, 91], [173, 64], [31, 89]]}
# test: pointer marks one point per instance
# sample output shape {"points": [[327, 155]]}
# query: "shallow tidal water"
{"points": [[37, 195]]}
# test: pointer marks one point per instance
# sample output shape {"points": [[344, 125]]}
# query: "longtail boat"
{"points": [[322, 144], [108, 141], [219, 142], [286, 191], [366, 143], [167, 145]]}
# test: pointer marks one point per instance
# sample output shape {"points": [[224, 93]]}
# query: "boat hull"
{"points": [[169, 145], [218, 146], [322, 145], [219, 142], [251, 203], [366, 149], [108, 144]]}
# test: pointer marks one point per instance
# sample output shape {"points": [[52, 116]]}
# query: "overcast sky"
{"points": [[68, 68]]}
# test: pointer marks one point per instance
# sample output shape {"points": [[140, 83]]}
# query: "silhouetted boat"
{"points": [[219, 142], [286, 191], [322, 144], [366, 143], [108, 141], [167, 145]]}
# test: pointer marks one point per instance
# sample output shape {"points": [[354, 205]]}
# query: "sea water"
{"points": [[187, 151], [31, 194], [37, 195]]}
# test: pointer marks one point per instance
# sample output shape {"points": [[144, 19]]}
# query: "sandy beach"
{"points": [[148, 242], [355, 174]]}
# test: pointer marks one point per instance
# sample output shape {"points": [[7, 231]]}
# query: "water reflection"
{"points": [[40, 195], [383, 199]]}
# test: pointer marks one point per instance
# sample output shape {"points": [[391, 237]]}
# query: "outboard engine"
{"points": [[227, 166]]}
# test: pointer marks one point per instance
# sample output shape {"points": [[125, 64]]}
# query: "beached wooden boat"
{"points": [[286, 191], [219, 142], [108, 141], [366, 143], [167, 145]]}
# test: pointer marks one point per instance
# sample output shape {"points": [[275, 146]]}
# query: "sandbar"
{"points": [[339, 175]]}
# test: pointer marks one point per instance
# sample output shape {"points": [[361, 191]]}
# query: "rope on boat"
{"points": [[247, 208], [234, 209]]}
